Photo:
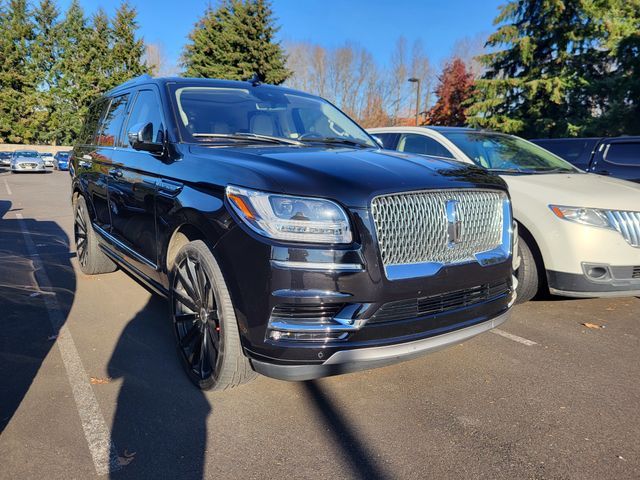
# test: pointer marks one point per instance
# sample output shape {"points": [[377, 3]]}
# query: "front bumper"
{"points": [[346, 361], [597, 280], [22, 167], [266, 277]]}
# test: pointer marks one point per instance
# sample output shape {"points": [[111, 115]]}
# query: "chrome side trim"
{"points": [[286, 293], [333, 267], [110, 238]]}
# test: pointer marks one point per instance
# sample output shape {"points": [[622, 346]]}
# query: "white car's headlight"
{"points": [[290, 218], [585, 216]]}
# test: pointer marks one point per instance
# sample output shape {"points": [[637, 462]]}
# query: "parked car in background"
{"points": [[277, 228], [61, 161], [27, 161], [617, 156], [579, 233], [47, 158], [5, 158]]}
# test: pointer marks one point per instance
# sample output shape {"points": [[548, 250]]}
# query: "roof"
{"points": [[212, 82]]}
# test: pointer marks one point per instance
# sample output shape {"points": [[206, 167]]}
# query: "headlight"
{"points": [[585, 216], [285, 217]]}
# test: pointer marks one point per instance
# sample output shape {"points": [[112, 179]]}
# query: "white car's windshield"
{"points": [[27, 154], [506, 153], [263, 114]]}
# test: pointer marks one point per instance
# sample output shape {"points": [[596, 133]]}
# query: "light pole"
{"points": [[417, 81]]}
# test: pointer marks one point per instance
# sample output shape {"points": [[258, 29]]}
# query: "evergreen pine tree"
{"points": [[17, 79], [43, 57], [128, 51], [535, 78], [235, 41], [72, 91], [100, 56]]}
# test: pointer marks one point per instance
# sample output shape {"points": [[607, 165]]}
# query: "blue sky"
{"points": [[374, 24]]}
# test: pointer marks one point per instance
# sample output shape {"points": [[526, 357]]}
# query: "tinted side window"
{"points": [[112, 123], [146, 109], [624, 154], [577, 151], [413, 143], [388, 139], [92, 120]]}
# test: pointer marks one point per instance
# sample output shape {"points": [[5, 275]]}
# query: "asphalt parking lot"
{"points": [[90, 385]]}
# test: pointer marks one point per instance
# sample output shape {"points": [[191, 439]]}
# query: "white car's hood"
{"points": [[574, 190]]}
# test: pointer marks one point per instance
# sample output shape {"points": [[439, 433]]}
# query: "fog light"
{"points": [[597, 272]]}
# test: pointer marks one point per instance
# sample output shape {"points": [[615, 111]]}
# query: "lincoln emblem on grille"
{"points": [[454, 223]]}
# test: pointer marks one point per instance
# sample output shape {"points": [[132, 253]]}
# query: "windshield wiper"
{"points": [[337, 141], [248, 136]]}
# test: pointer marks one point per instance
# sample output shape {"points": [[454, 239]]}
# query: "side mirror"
{"points": [[141, 138], [378, 141]]}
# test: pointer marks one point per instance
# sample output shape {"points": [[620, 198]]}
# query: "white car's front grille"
{"points": [[627, 223], [416, 227]]}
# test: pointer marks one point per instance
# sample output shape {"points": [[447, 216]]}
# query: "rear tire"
{"points": [[528, 275], [204, 321], [91, 258]]}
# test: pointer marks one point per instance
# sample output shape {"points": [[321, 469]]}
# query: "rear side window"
{"points": [[109, 135], [422, 145], [388, 139], [146, 109], [627, 154], [92, 120]]}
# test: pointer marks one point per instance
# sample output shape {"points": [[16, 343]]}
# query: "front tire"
{"points": [[204, 321], [92, 260], [528, 274]]}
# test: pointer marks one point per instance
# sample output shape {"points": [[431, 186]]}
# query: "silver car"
{"points": [[27, 161]]}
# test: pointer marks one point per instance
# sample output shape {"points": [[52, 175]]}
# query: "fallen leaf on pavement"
{"points": [[592, 325], [126, 458], [100, 380]]}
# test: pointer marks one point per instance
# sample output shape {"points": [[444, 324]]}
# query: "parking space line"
{"points": [[515, 338], [95, 428], [6, 184]]}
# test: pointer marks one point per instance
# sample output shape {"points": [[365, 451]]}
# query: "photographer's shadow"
{"points": [[160, 425], [32, 254]]}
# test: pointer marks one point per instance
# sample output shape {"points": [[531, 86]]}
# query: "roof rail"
{"points": [[133, 81]]}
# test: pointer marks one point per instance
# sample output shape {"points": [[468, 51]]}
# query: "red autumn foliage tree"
{"points": [[455, 86]]}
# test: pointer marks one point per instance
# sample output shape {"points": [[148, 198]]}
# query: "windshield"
{"points": [[506, 153], [63, 155], [224, 115], [27, 154]]}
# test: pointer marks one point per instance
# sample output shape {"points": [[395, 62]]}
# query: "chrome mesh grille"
{"points": [[413, 228], [627, 223]]}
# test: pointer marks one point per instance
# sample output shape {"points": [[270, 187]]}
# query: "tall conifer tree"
{"points": [[235, 41]]}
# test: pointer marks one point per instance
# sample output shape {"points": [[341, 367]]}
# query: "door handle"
{"points": [[115, 173]]}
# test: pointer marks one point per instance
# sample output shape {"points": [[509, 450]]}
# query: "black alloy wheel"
{"points": [[196, 319]]}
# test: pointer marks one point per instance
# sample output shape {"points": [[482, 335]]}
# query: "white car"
{"points": [[48, 159], [27, 161], [579, 233]]}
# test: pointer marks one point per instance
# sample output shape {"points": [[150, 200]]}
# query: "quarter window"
{"points": [[422, 145], [109, 135], [627, 154], [146, 110]]}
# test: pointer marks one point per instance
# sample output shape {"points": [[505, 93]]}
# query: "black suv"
{"points": [[286, 241]]}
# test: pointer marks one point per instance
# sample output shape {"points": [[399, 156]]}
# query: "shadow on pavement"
{"points": [[160, 423], [355, 452], [26, 333]]}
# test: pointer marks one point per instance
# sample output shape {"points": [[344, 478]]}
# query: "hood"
{"points": [[351, 176], [574, 190]]}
